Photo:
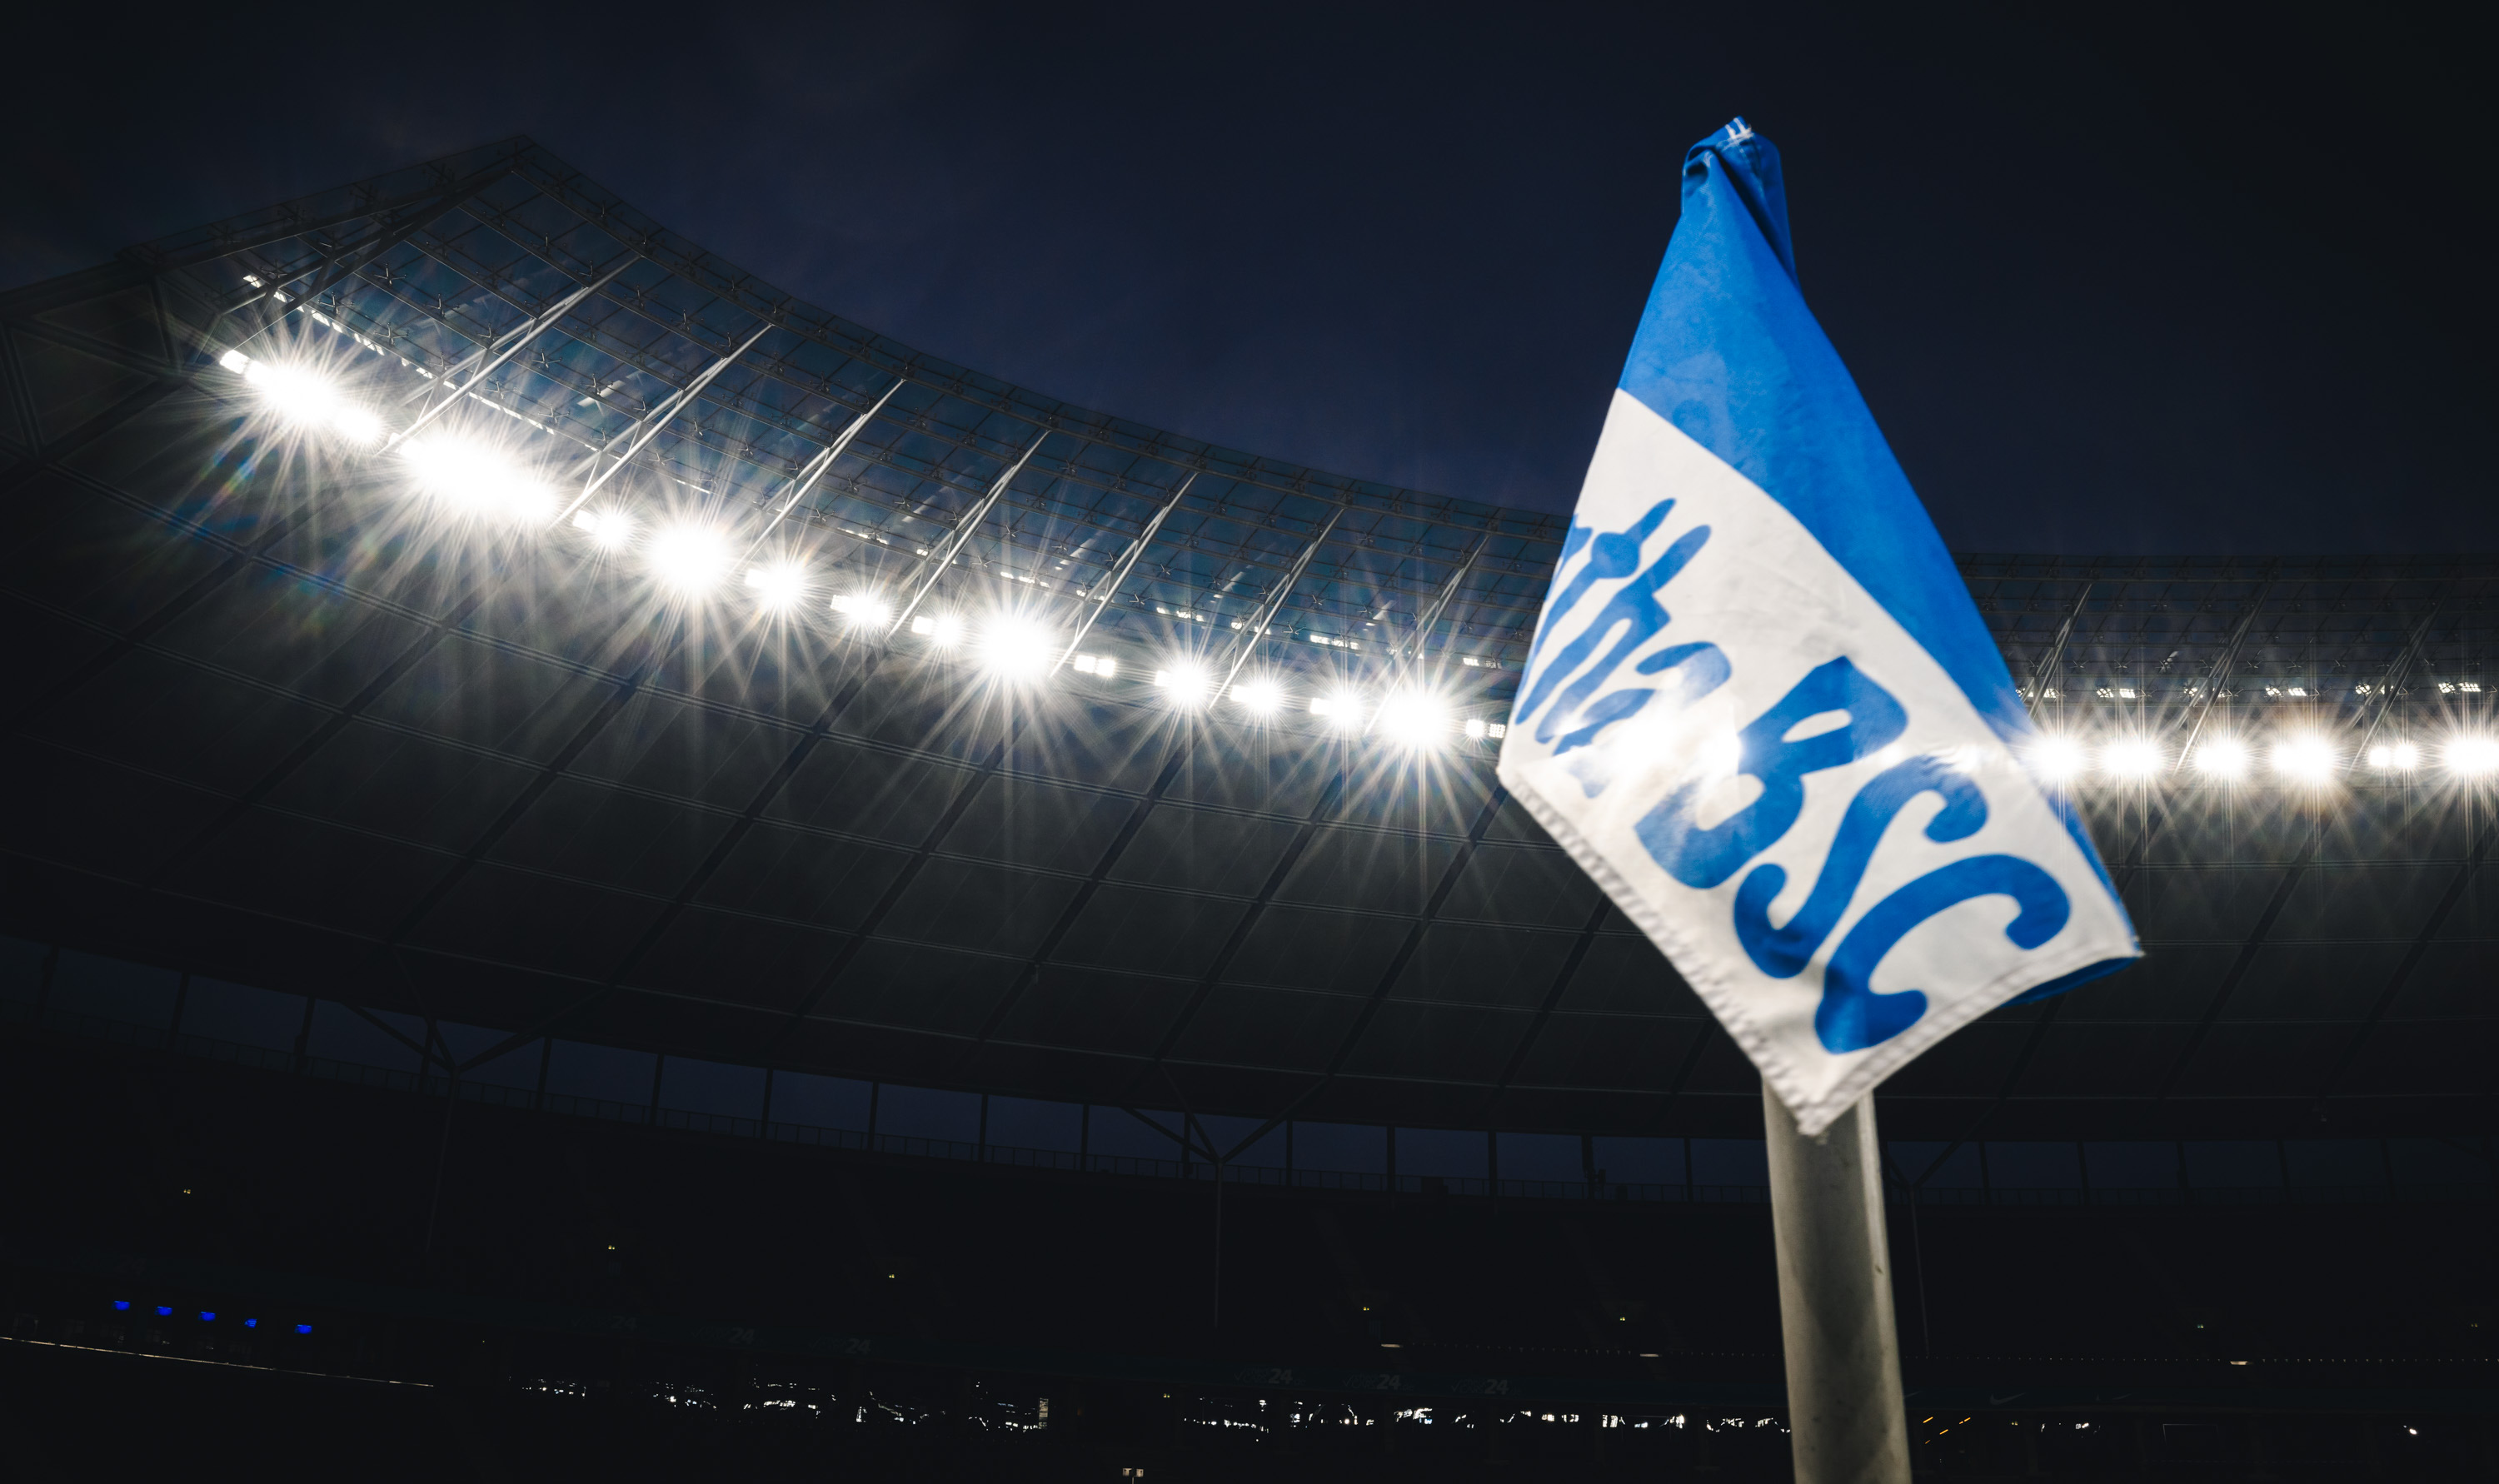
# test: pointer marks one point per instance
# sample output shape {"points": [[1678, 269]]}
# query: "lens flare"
{"points": [[2222, 757], [1188, 684], [1413, 719], [689, 558], [2307, 759], [2057, 759], [1017, 647], [2133, 758], [1260, 697], [2472, 756], [864, 610], [607, 530], [779, 587], [475, 480]]}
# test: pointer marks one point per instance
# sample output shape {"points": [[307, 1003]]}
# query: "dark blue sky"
{"points": [[2115, 280]]}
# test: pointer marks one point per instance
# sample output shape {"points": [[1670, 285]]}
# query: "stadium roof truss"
{"points": [[297, 728]]}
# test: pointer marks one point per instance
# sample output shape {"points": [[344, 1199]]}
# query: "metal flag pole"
{"points": [[1846, 1418]]}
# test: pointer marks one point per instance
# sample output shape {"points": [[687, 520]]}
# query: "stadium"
{"points": [[614, 866]]}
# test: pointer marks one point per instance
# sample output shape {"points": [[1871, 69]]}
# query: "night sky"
{"points": [[2113, 282]]}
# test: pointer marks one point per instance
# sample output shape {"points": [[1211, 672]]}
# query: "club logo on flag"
{"points": [[1761, 708]]}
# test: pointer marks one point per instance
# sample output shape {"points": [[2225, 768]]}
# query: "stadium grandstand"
{"points": [[609, 866]]}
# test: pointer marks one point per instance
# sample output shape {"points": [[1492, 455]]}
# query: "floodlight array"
{"points": [[463, 478], [2299, 759]]}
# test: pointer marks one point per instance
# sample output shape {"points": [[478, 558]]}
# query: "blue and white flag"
{"points": [[1761, 710]]}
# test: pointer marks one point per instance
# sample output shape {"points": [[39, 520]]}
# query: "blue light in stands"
{"points": [[251, 1324], [303, 1329], [208, 1316], [121, 1304], [163, 1312]]}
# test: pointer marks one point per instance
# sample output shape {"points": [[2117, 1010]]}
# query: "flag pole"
{"points": [[1846, 1418]]}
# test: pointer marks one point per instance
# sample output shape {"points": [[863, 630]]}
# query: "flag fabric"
{"points": [[1761, 709]]}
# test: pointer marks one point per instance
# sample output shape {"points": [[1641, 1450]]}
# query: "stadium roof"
{"points": [[307, 708]]}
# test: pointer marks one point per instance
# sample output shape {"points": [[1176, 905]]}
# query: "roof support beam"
{"points": [[816, 466], [2046, 670], [2220, 674], [525, 334], [1265, 613], [952, 544], [2393, 681], [347, 261], [659, 420], [1109, 587]]}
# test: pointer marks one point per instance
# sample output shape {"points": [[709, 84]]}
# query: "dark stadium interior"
{"points": [[571, 1021]]}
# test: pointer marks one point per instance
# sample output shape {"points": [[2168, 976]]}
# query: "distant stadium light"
{"points": [[475, 480], [305, 398], [2223, 758], [2057, 759], [943, 629], [608, 530], [688, 556], [1013, 646], [1188, 684], [1260, 697], [864, 610], [1344, 708], [2395, 756], [1413, 719], [1098, 665], [780, 587], [2305, 758], [2472, 756], [1475, 728], [2133, 758]]}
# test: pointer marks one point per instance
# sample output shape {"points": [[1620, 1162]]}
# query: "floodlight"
{"points": [[2223, 758], [1344, 708], [688, 556], [943, 629], [1259, 697], [1413, 718], [2305, 758], [2133, 758], [2057, 759], [1013, 646], [476, 480], [1475, 728], [608, 530], [1098, 665], [864, 610], [2395, 756], [779, 587], [305, 398], [1188, 684], [2472, 756]]}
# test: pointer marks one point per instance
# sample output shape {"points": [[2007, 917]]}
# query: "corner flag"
{"points": [[1761, 709]]}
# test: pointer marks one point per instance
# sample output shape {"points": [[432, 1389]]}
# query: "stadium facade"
{"points": [[469, 630]]}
